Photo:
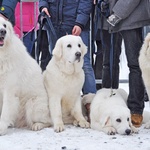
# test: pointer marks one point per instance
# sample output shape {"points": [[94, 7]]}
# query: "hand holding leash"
{"points": [[46, 11]]}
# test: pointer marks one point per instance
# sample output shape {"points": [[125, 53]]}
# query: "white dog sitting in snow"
{"points": [[110, 113], [23, 98], [144, 61], [64, 78]]}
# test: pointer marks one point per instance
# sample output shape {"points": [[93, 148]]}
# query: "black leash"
{"points": [[44, 22]]}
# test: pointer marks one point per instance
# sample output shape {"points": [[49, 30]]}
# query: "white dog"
{"points": [[110, 113], [144, 61], [64, 78], [23, 97]]}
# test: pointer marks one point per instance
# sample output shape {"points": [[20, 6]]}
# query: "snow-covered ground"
{"points": [[74, 138]]}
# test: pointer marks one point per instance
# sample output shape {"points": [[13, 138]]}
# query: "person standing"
{"points": [[72, 17]]}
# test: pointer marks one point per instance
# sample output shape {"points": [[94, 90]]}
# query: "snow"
{"points": [[74, 138]]}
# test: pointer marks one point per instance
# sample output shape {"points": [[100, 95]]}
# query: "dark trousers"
{"points": [[133, 42], [110, 76]]}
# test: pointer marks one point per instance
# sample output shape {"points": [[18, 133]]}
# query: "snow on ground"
{"points": [[74, 138]]}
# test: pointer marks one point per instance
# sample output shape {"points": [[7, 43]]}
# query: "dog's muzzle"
{"points": [[2, 36], [78, 55]]}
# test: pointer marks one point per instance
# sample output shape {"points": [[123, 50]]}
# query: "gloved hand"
{"points": [[113, 19]]}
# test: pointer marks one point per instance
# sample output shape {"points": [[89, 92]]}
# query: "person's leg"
{"points": [[133, 42], [28, 41], [89, 84], [106, 75]]}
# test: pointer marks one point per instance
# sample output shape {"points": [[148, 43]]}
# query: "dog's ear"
{"points": [[57, 51], [83, 46], [84, 49], [105, 120], [88, 98], [10, 27]]}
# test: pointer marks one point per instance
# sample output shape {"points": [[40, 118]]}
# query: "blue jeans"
{"points": [[89, 84], [28, 41], [133, 41]]}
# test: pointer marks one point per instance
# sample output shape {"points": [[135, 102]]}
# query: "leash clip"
{"points": [[111, 92]]}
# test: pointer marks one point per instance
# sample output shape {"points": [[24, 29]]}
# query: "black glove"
{"points": [[113, 19]]}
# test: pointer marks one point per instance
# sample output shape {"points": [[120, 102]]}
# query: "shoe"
{"points": [[136, 120], [87, 106]]}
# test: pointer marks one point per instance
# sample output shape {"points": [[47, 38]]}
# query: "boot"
{"points": [[136, 120]]}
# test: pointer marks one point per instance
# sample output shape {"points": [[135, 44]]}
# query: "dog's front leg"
{"points": [[9, 112], [77, 114], [106, 129], [56, 113]]}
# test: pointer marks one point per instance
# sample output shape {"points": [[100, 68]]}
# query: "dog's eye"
{"points": [[4, 25], [127, 119], [79, 45], [118, 120], [69, 45]]}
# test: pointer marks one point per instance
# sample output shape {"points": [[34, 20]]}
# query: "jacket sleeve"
{"points": [[123, 8], [83, 12], [8, 8]]}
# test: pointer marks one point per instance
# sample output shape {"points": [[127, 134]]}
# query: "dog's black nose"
{"points": [[2, 32], [128, 131], [78, 54]]}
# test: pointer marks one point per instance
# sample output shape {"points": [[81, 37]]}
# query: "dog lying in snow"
{"points": [[110, 114]]}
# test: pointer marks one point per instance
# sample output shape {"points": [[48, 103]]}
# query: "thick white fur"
{"points": [[144, 61], [23, 98], [64, 78], [106, 110]]}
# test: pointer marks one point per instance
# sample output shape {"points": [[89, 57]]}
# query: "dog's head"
{"points": [[6, 30], [119, 119], [70, 48]]}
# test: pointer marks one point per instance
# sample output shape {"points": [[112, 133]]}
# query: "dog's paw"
{"points": [[3, 128], [82, 123], [59, 127], [38, 126], [147, 125], [109, 130], [134, 130]]}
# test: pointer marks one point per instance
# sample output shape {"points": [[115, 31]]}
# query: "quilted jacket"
{"points": [[69, 12], [7, 8], [29, 10]]}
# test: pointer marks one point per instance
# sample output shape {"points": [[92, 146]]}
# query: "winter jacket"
{"points": [[28, 15], [7, 9], [68, 13], [133, 14]]}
